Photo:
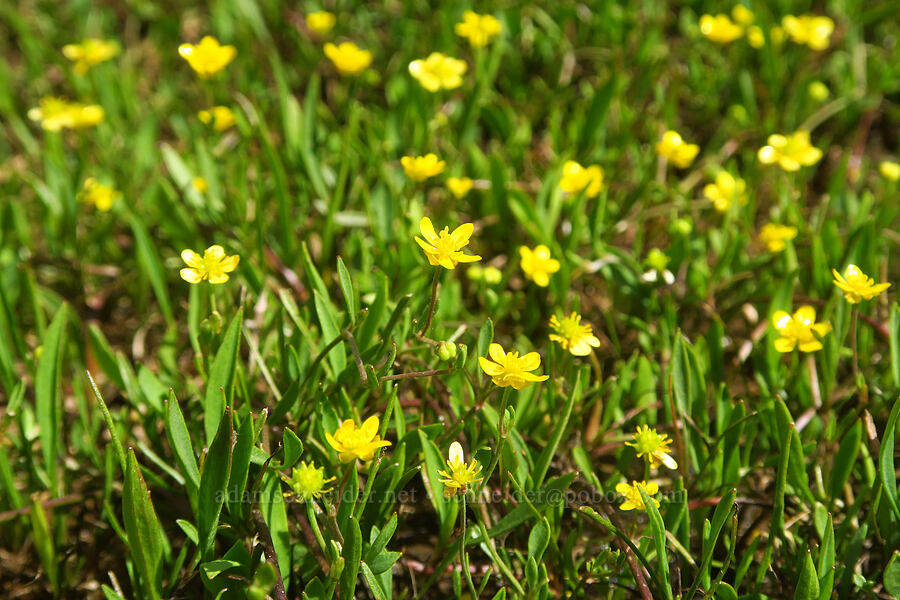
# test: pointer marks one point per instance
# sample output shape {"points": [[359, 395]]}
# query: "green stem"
{"points": [[314, 525], [504, 568], [463, 556], [501, 437], [434, 290]]}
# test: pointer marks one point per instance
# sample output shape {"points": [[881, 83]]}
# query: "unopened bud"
{"points": [[446, 350]]}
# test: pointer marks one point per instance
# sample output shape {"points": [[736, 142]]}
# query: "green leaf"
{"points": [[146, 539], [485, 337], [213, 483], [538, 539], [808, 584], [894, 329], [347, 289], [221, 377], [433, 463], [274, 513], [845, 459], [293, 448], [549, 451], [723, 511], [352, 553], [215, 567], [105, 356], [372, 582], [240, 467], [550, 495], [337, 356], [892, 575], [152, 266], [886, 460], [658, 528], [180, 439], [48, 402], [384, 536], [42, 536]]}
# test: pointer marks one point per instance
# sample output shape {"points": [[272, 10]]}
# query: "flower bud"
{"points": [[446, 350]]}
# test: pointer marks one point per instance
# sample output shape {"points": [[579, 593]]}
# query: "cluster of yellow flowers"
{"points": [[810, 30], [55, 114]]}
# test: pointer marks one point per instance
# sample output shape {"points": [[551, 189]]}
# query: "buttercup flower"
{"points": [[576, 178], [657, 261], [537, 264], [741, 14], [478, 29], [220, 117], [856, 285], [572, 335], [633, 498], [306, 482], [720, 29], [889, 170], [420, 168], [90, 52], [811, 30], [799, 330], [774, 236], [654, 446], [354, 442], [208, 57], [199, 184], [726, 190], [214, 265], [445, 249], [348, 58], [674, 149], [459, 186], [790, 151], [459, 475], [818, 91], [320, 22], [508, 369], [56, 113], [438, 71], [99, 195], [755, 36]]}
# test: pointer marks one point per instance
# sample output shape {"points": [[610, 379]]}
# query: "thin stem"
{"points": [[314, 526], [814, 380], [593, 427], [854, 317], [359, 363], [501, 437], [434, 290], [504, 568], [414, 374], [463, 556]]}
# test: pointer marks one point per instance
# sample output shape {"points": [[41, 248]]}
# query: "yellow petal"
{"points": [[191, 275]]}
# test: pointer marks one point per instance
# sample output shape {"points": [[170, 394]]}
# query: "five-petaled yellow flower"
{"points": [[742, 15], [459, 186], [445, 248], [811, 30], [889, 170], [726, 190], [320, 22], [459, 475], [208, 57], [101, 196], [90, 52], [420, 168], [576, 178], [348, 58], [214, 265], [572, 335], [478, 29], [354, 442], [307, 482], [633, 498], [799, 330], [790, 151], [720, 29], [856, 285], [537, 264], [509, 369], [673, 148], [438, 71], [775, 236], [56, 113], [220, 117], [652, 445]]}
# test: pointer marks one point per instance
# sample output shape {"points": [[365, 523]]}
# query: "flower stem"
{"points": [[501, 437], [814, 380], [854, 318], [463, 556], [593, 427], [434, 290]]}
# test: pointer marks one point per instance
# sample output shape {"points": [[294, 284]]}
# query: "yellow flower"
{"points": [[354, 442], [459, 186], [208, 57], [420, 168], [755, 36], [459, 475], [856, 285], [90, 52], [674, 149], [306, 482], [720, 29], [438, 71], [633, 498], [889, 170], [572, 335], [741, 14], [320, 22], [220, 117], [799, 330], [790, 151], [812, 30], [537, 264], [56, 113], [478, 29], [348, 58], [726, 190], [214, 265], [99, 195], [774, 236], [492, 275], [199, 184], [444, 249], [652, 445], [508, 368], [818, 91], [576, 178]]}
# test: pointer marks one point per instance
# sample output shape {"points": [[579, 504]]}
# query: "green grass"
{"points": [[163, 480]]}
